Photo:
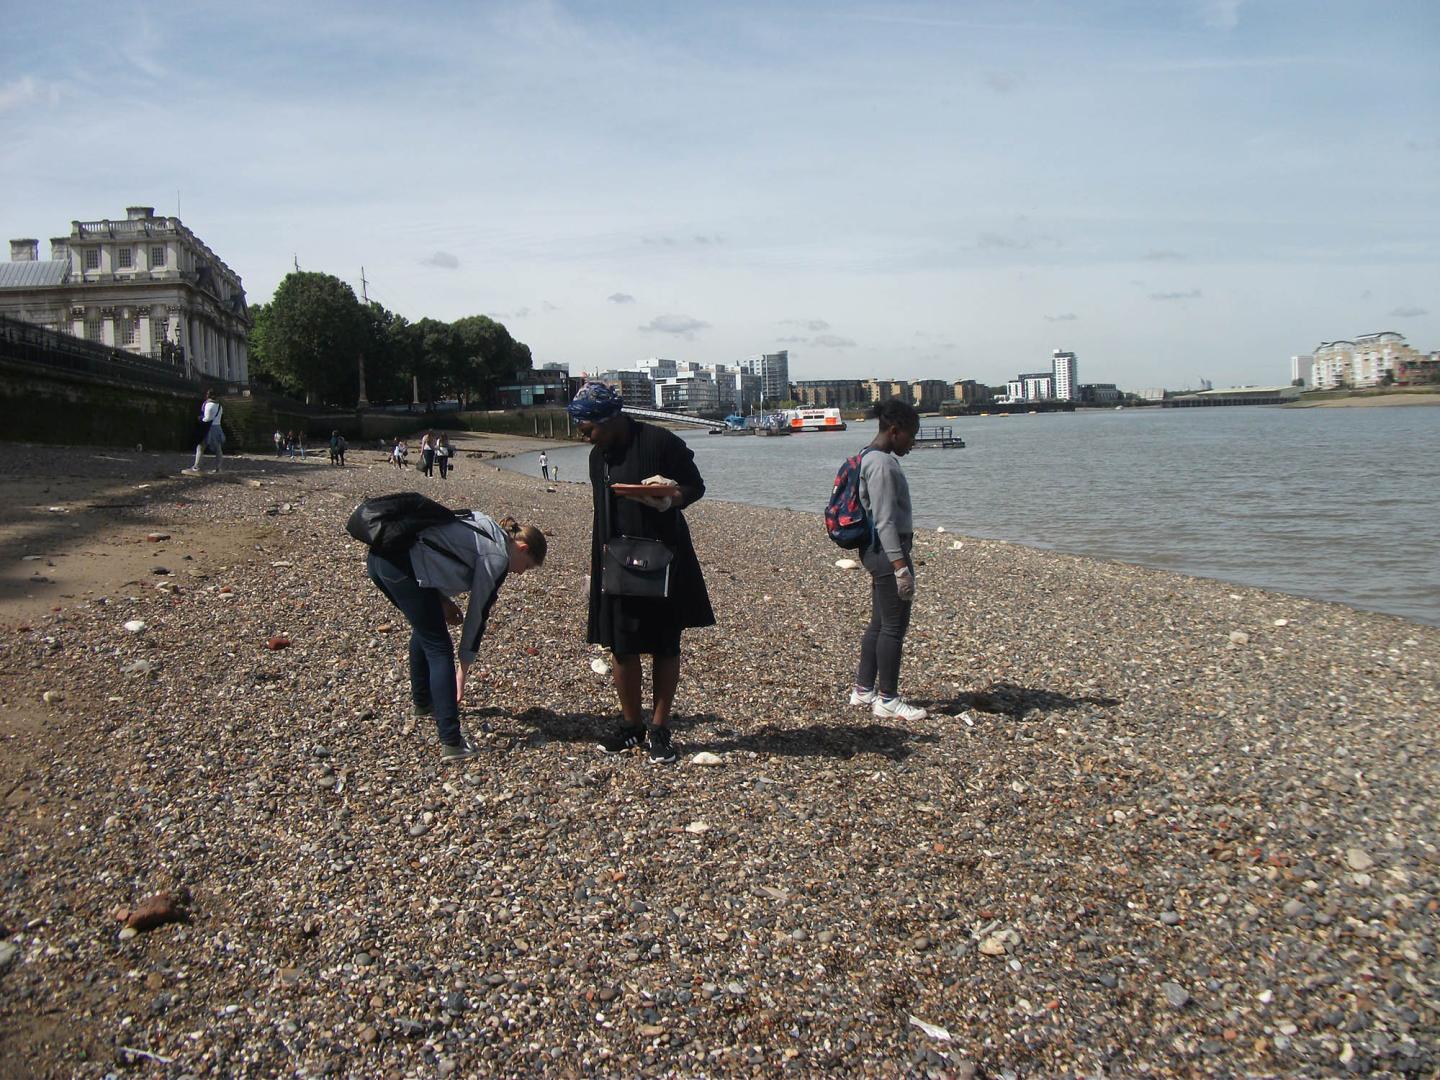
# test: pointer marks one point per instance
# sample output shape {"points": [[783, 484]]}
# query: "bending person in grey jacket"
{"points": [[885, 494], [472, 554]]}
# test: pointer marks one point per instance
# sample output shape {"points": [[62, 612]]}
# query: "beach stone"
{"points": [[1176, 996], [1358, 859], [1239, 637], [1170, 918], [134, 626], [705, 757], [994, 945], [8, 952]]}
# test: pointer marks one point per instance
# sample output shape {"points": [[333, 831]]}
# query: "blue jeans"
{"points": [[432, 656]]}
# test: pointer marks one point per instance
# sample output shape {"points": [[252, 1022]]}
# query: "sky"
{"points": [[1173, 189]]}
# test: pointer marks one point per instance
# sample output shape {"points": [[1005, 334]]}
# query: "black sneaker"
{"points": [[458, 751], [623, 739], [423, 711], [661, 752]]}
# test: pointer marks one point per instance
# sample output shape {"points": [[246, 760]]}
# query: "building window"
{"points": [[125, 330], [157, 257], [92, 258], [158, 335], [92, 330], [124, 258]]}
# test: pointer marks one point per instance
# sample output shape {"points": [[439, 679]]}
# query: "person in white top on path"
{"points": [[211, 437]]}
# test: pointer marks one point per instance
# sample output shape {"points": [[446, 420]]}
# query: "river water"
{"points": [[1337, 504]]}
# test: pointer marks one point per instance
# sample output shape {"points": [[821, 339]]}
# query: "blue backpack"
{"points": [[845, 519]]}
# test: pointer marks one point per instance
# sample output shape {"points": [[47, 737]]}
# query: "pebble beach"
{"points": [[1153, 825]]}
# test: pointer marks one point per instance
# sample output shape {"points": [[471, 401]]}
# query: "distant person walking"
{"points": [[472, 554], [398, 453], [443, 454], [337, 448], [427, 453], [208, 433], [544, 465], [342, 446], [885, 494], [279, 443], [290, 445]]}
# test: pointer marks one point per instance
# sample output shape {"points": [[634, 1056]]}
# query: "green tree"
{"points": [[489, 357], [311, 337]]}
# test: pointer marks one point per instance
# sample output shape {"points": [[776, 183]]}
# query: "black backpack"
{"points": [[389, 524]]}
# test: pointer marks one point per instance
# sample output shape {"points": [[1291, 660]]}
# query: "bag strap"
{"points": [[609, 498]]}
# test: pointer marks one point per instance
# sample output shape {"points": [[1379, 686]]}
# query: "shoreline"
{"points": [[1153, 823], [1371, 400]]}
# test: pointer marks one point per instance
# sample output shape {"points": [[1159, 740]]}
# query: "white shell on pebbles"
{"points": [[134, 626], [846, 564], [600, 667], [704, 757]]}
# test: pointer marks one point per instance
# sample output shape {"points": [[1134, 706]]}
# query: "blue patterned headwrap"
{"points": [[595, 403]]}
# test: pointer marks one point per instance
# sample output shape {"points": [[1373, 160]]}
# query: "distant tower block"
{"points": [[1066, 383]]}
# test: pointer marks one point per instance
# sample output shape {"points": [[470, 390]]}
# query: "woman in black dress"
{"points": [[625, 451]]}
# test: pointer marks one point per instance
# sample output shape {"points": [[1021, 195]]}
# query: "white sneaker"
{"points": [[861, 697], [895, 708]]}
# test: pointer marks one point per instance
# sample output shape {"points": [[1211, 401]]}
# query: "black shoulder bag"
{"points": [[632, 565]]}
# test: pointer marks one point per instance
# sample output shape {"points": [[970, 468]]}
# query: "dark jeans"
{"points": [[444, 462], [884, 638], [432, 656]]}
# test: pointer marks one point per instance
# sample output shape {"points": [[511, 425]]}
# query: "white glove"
{"points": [[905, 583]]}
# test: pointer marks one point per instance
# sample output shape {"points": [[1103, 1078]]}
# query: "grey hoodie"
{"points": [[464, 556], [885, 494]]}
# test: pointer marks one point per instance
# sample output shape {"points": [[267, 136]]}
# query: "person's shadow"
{"points": [[814, 740], [1007, 699]]}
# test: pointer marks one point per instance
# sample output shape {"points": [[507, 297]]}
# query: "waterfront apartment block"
{"points": [[1064, 368], [927, 394], [774, 371], [144, 285], [637, 390], [832, 393], [1369, 360], [1302, 370]]}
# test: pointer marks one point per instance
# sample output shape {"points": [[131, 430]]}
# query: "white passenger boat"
{"points": [[815, 420]]}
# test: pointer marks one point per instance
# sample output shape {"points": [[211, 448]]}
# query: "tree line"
{"points": [[310, 338]]}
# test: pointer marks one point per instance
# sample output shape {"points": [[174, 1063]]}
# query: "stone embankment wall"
{"points": [[42, 406]]}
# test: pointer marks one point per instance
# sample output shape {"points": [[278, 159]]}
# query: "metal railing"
{"points": [[31, 344]]}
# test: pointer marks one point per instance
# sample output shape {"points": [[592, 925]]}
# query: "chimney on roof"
{"points": [[24, 250], [139, 213]]}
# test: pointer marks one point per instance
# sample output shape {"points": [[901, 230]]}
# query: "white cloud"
{"points": [[620, 298], [681, 325], [1408, 311], [1192, 294], [1220, 14], [18, 92], [832, 341], [1068, 316], [442, 259], [1163, 256]]}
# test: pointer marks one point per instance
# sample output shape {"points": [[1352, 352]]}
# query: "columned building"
{"points": [[146, 285]]}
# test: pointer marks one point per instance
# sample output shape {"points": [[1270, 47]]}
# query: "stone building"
{"points": [[146, 285]]}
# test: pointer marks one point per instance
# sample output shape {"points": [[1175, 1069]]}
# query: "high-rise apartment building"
{"points": [[774, 371], [1066, 385]]}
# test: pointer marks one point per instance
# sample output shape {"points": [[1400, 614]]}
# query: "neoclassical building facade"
{"points": [[145, 285]]}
